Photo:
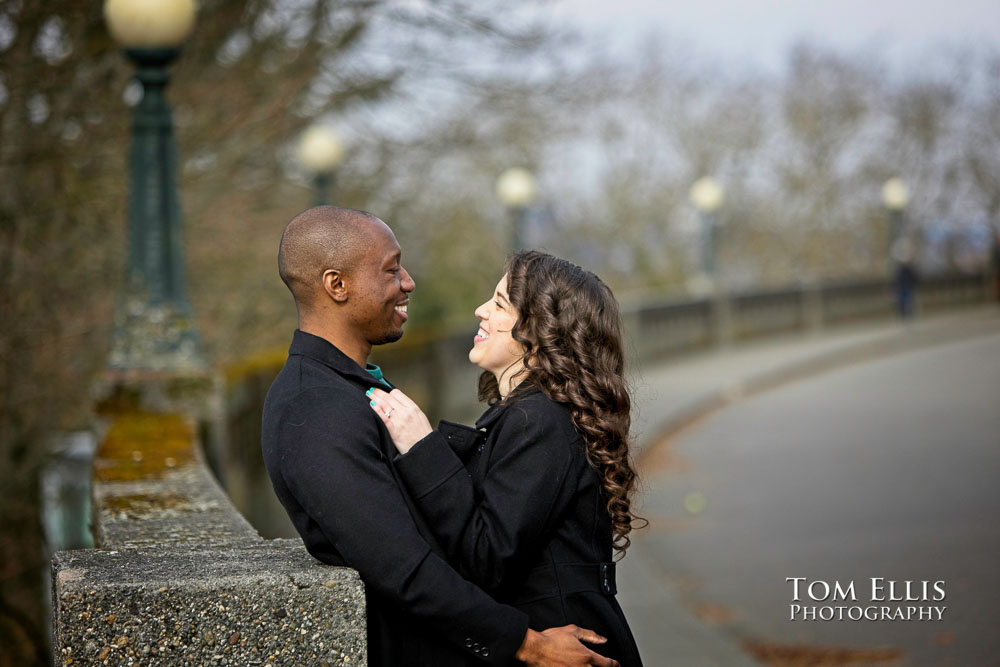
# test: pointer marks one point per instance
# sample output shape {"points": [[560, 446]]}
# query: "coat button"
{"points": [[485, 652], [468, 642]]}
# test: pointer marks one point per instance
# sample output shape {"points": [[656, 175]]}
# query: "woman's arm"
{"points": [[525, 486]]}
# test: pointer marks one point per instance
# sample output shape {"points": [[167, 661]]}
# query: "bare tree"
{"points": [[252, 75]]}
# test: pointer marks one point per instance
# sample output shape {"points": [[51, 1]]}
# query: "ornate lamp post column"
{"points": [[154, 328], [321, 152], [516, 189], [707, 196], [895, 197]]}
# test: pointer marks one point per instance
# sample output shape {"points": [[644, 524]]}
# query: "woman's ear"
{"points": [[333, 285]]}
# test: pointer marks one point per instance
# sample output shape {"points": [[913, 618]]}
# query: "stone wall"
{"points": [[180, 578]]}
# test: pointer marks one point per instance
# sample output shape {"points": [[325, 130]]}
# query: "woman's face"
{"points": [[493, 348]]}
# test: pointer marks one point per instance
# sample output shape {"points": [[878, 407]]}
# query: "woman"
{"points": [[547, 495]]}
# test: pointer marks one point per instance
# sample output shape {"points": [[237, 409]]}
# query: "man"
{"points": [[330, 460]]}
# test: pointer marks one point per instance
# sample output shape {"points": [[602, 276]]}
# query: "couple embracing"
{"points": [[491, 545]]}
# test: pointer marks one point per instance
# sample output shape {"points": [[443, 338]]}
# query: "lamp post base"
{"points": [[154, 338]]}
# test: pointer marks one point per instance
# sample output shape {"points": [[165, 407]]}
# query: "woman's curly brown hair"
{"points": [[570, 328]]}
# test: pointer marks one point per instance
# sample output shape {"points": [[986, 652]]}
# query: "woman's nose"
{"points": [[481, 312]]}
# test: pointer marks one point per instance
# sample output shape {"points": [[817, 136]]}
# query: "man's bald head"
{"points": [[321, 238]]}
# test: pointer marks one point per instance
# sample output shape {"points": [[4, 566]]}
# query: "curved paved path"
{"points": [[888, 468]]}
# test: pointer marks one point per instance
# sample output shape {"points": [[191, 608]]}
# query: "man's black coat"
{"points": [[330, 460]]}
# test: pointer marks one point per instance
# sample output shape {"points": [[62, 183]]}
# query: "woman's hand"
{"points": [[407, 424]]}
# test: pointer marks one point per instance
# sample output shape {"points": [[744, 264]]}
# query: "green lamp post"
{"points": [[154, 327], [516, 189], [895, 198], [320, 152], [707, 196]]}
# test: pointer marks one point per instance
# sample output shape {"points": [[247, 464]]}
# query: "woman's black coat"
{"points": [[520, 512]]}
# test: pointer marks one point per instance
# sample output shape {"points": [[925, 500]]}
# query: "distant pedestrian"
{"points": [[996, 264], [905, 277]]}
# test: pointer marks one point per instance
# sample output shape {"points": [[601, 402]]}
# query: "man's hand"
{"points": [[562, 647]]}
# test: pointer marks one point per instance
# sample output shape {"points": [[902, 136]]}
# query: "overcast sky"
{"points": [[760, 32]]}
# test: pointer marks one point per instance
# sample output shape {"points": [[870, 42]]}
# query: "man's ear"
{"points": [[333, 284]]}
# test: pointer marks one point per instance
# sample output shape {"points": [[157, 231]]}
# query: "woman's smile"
{"points": [[493, 347]]}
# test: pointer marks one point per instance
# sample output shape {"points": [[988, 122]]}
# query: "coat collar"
{"points": [[490, 417], [326, 353]]}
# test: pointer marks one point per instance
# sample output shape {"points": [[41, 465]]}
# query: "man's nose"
{"points": [[407, 284]]}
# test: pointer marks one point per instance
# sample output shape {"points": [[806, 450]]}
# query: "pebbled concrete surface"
{"points": [[254, 604]]}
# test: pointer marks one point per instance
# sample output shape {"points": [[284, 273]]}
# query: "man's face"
{"points": [[381, 290]]}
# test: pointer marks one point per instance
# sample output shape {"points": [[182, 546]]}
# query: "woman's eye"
{"points": [[498, 305]]}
